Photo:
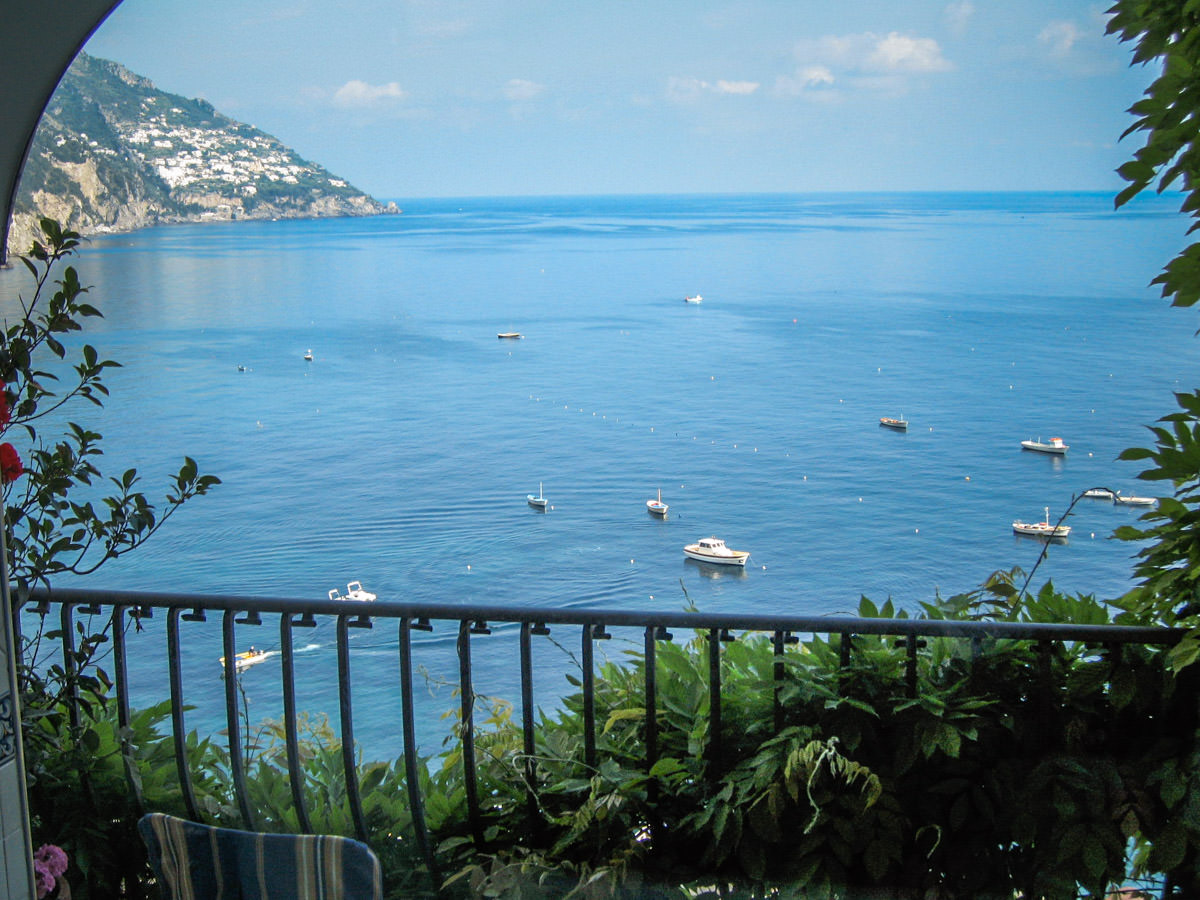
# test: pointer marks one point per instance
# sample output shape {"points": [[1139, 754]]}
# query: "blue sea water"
{"points": [[402, 453]]}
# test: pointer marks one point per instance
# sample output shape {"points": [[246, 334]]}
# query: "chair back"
{"points": [[203, 862]]}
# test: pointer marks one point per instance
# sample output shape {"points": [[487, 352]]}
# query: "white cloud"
{"points": [[900, 53], [958, 15], [685, 90], [518, 89], [867, 61], [357, 94], [1059, 37], [742, 88], [808, 78]]}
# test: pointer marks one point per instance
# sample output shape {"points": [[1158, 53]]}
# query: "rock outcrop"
{"points": [[114, 153]]}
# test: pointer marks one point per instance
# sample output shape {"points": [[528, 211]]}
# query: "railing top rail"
{"points": [[389, 609]]}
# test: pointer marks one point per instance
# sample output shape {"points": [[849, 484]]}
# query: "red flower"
{"points": [[10, 464]]}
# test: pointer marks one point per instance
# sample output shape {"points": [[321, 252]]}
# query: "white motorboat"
{"points": [[1042, 529], [898, 424], [1054, 445], [1099, 493], [1131, 500], [510, 335], [713, 550], [538, 502], [246, 658], [657, 506], [354, 591], [696, 299]]}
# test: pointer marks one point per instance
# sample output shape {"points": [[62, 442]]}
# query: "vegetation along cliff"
{"points": [[114, 153]]}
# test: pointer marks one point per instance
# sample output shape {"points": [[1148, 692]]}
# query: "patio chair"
{"points": [[203, 862]]}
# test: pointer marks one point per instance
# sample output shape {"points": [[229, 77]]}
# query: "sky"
{"points": [[446, 98]]}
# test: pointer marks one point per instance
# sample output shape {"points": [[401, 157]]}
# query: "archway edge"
{"points": [[36, 49]]}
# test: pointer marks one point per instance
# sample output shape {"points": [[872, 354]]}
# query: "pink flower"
{"points": [[43, 881], [11, 469], [53, 858], [49, 864]]}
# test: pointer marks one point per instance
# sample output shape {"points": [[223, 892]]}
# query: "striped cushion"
{"points": [[201, 862]]}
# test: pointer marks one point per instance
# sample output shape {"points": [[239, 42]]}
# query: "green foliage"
{"points": [[1009, 770], [1166, 33], [48, 531], [60, 519]]}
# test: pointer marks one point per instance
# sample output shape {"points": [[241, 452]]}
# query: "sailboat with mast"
{"points": [[539, 502], [657, 507]]}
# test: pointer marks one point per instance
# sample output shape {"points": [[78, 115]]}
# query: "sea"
{"points": [[401, 454]]}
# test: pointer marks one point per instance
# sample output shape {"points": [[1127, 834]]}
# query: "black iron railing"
{"points": [[473, 622]]}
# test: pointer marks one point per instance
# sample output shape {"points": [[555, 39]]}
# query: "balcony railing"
{"points": [[471, 624]]}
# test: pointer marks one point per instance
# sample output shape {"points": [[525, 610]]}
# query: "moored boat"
{"points": [[696, 299], [354, 591], [1099, 493], [538, 502], [713, 550], [510, 335], [897, 424], [1042, 529], [657, 506], [1131, 500], [1054, 445], [308, 355]]}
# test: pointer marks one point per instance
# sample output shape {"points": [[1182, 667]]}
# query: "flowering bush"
{"points": [[62, 518], [49, 865]]}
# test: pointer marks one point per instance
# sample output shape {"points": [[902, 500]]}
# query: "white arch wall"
{"points": [[37, 43]]}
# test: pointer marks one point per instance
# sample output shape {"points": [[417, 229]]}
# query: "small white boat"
{"points": [[1042, 529], [510, 335], [354, 591], [538, 502], [1054, 445], [1099, 493], [1131, 500], [713, 550], [898, 424], [657, 506], [308, 355], [246, 658], [696, 299]]}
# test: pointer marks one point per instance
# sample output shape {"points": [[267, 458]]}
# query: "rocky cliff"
{"points": [[114, 153]]}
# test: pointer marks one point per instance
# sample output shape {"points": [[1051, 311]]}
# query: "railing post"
{"points": [[236, 763], [345, 704], [287, 667], [779, 641], [911, 645], [650, 645], [527, 743], [121, 677], [714, 702], [589, 698], [67, 625], [467, 697], [412, 774], [178, 730]]}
